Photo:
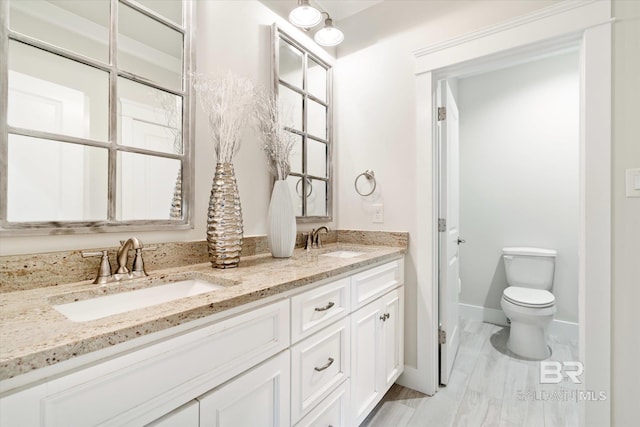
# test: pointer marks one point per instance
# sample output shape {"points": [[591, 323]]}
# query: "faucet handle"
{"points": [[308, 240], [104, 270], [138, 264], [90, 254]]}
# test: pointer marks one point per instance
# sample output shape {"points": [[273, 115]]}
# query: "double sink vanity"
{"points": [[313, 340]]}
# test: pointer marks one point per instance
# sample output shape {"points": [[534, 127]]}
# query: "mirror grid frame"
{"points": [[277, 34], [111, 224]]}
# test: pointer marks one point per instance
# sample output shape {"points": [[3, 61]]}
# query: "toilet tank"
{"points": [[529, 267]]}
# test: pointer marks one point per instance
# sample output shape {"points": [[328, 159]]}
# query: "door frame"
{"points": [[587, 24]]}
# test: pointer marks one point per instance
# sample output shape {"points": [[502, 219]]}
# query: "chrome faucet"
{"points": [[314, 237], [137, 268], [122, 272]]}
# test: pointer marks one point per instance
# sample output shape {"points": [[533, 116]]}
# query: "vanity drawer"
{"points": [[371, 284], [319, 364], [332, 411], [315, 309]]}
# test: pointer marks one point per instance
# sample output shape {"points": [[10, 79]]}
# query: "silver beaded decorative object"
{"points": [[176, 201], [224, 221]]}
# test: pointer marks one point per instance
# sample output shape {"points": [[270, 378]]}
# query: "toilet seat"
{"points": [[527, 297]]}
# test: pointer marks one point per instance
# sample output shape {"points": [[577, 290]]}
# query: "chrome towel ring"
{"points": [[370, 176], [309, 187]]}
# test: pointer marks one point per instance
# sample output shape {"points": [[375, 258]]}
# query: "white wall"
{"points": [[625, 351], [230, 34], [375, 117], [519, 186]]}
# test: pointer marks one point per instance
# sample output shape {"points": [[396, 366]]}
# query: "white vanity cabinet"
{"points": [[377, 355], [322, 355], [140, 386], [360, 370]]}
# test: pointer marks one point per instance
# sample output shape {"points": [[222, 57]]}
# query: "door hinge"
{"points": [[442, 336], [442, 224], [442, 113]]}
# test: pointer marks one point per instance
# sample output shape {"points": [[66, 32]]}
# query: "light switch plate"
{"points": [[378, 213], [632, 182]]}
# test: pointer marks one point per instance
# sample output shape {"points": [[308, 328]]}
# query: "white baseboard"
{"points": [[560, 328]]}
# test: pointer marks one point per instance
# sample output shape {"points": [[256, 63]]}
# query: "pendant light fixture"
{"points": [[305, 15], [329, 35]]}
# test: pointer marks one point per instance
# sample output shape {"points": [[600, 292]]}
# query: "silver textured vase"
{"points": [[224, 221]]}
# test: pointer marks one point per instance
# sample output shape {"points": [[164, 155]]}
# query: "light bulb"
{"points": [[329, 35], [305, 16]]}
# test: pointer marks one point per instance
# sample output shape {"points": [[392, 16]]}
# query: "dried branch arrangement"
{"points": [[276, 141], [228, 100]]}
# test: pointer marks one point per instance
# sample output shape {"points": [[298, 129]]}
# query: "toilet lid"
{"points": [[527, 297]]}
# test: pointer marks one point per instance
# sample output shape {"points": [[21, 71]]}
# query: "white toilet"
{"points": [[527, 300]]}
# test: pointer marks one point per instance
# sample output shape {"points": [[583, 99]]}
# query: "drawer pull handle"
{"points": [[384, 317], [326, 307], [322, 368]]}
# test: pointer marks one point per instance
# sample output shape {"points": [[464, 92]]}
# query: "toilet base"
{"points": [[528, 341]]}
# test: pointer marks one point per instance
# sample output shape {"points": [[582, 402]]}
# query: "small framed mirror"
{"points": [[302, 84]]}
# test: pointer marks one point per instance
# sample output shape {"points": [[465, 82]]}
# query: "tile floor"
{"points": [[489, 386]]}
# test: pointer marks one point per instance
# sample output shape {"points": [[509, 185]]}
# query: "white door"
{"points": [[366, 391], [392, 336], [449, 277], [258, 398]]}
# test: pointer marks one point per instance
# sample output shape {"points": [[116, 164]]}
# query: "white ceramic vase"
{"points": [[281, 221]]}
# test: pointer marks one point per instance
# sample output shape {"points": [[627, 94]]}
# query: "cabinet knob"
{"points": [[325, 366], [326, 307]]}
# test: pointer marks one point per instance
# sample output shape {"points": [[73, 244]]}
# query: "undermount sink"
{"points": [[343, 254], [108, 305]]}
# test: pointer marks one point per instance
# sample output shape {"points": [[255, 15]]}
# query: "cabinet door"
{"points": [[366, 328], [392, 343], [258, 398], [188, 415]]}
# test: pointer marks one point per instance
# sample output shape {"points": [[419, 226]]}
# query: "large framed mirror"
{"points": [[302, 84], [96, 115]]}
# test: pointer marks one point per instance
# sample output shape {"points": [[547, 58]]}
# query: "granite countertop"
{"points": [[34, 335]]}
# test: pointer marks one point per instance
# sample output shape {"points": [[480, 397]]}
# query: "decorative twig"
{"points": [[228, 101], [277, 142]]}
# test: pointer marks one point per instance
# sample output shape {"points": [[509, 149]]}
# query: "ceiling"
{"points": [[340, 9], [337, 9]]}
